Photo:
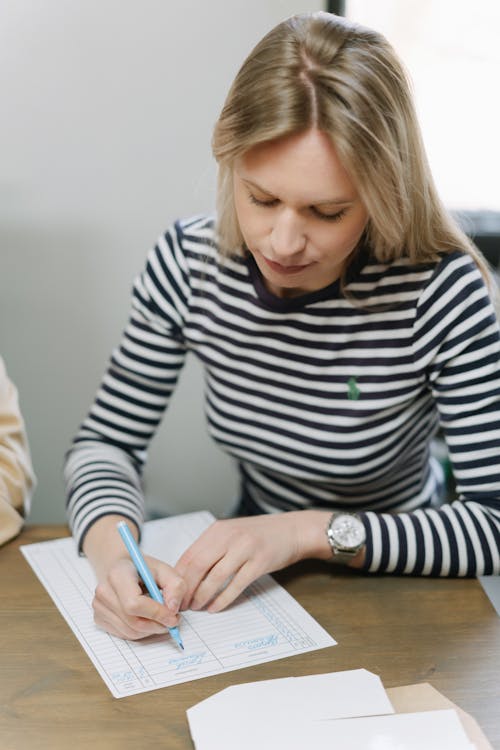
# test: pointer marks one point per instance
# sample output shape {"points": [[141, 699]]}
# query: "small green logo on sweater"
{"points": [[353, 391]]}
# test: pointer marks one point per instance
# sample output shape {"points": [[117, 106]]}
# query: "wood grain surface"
{"points": [[407, 630]]}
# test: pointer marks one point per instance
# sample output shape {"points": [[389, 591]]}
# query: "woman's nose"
{"points": [[287, 235]]}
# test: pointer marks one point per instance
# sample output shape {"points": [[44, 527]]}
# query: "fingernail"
{"points": [[173, 605]]}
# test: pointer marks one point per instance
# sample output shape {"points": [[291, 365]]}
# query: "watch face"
{"points": [[348, 531]]}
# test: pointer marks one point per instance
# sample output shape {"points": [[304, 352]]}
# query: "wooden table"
{"points": [[406, 630]]}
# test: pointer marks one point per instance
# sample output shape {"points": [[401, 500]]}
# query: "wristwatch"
{"points": [[346, 535]]}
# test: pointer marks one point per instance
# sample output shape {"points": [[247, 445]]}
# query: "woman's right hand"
{"points": [[123, 608], [121, 605]]}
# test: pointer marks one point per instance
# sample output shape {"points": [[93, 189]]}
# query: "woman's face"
{"points": [[298, 211]]}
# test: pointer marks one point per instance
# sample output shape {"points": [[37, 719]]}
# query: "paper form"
{"points": [[265, 622]]}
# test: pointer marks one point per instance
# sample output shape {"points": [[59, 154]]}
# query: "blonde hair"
{"points": [[321, 71]]}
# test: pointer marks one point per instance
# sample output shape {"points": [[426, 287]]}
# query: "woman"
{"points": [[16, 473], [341, 318]]}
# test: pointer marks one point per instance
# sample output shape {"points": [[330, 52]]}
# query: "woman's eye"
{"points": [[337, 216], [260, 202]]}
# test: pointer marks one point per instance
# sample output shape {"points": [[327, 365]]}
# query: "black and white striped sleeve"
{"points": [[457, 342], [103, 467]]}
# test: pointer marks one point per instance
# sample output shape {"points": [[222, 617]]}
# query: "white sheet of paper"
{"points": [[344, 710], [424, 730], [265, 623], [217, 722]]}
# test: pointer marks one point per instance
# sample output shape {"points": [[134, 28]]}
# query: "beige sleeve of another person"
{"points": [[17, 480]]}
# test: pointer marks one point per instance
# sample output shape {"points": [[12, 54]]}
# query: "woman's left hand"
{"points": [[233, 553]]}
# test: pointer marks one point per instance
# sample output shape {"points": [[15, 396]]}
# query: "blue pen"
{"points": [[145, 573]]}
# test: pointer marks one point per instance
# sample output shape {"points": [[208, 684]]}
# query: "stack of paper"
{"points": [[345, 710]]}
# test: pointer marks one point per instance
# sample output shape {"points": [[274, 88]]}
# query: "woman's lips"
{"points": [[285, 270]]}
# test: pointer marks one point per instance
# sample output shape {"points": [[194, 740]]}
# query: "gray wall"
{"points": [[107, 111]]}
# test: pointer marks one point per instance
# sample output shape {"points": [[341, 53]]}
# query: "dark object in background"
{"points": [[336, 6], [484, 228]]}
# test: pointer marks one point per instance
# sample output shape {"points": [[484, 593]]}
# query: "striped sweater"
{"points": [[327, 400]]}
